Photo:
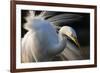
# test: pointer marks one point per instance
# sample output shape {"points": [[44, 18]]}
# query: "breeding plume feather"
{"points": [[42, 42]]}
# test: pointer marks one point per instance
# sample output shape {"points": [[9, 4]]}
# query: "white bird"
{"points": [[43, 43]]}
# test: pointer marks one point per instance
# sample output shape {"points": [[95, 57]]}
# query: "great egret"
{"points": [[42, 42]]}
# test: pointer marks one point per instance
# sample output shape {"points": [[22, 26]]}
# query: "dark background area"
{"points": [[82, 28]]}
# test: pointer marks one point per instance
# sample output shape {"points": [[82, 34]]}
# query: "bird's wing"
{"points": [[64, 18], [68, 54], [28, 50], [71, 52], [47, 14]]}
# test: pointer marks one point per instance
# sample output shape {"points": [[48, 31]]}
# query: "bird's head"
{"points": [[70, 33]]}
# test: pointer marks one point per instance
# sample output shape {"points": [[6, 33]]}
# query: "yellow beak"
{"points": [[74, 39]]}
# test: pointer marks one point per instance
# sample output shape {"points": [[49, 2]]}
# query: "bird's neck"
{"points": [[61, 44]]}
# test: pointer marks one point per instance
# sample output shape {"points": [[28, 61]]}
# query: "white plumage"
{"points": [[43, 43]]}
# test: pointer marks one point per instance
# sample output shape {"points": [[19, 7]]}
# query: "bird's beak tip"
{"points": [[74, 39], [77, 43]]}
